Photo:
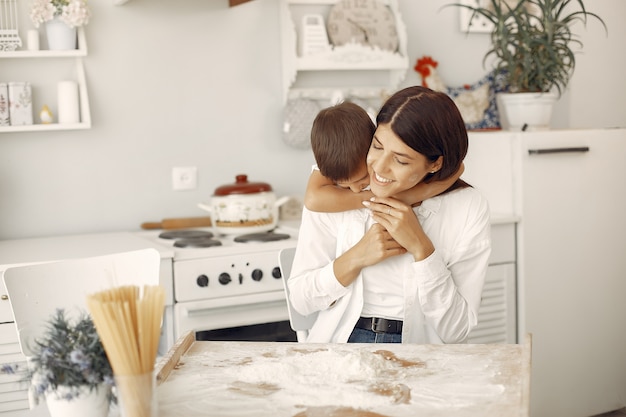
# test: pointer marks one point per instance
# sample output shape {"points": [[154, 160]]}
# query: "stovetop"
{"points": [[204, 242]]}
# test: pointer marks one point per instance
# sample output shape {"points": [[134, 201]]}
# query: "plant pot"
{"points": [[93, 403], [532, 110], [60, 36]]}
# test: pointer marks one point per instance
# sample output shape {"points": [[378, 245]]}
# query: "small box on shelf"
{"points": [[20, 103], [5, 119]]}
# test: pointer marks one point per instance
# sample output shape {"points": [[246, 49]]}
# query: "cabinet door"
{"points": [[13, 387], [572, 270], [496, 316], [6, 314]]}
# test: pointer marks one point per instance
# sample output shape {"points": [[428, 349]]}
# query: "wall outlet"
{"points": [[184, 178]]}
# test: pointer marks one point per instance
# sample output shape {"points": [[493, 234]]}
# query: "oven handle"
{"points": [[241, 303], [198, 312]]}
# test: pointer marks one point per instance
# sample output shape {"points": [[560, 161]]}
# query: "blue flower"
{"points": [[79, 358], [46, 354], [7, 368]]}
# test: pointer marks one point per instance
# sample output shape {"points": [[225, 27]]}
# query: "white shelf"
{"points": [[77, 55], [45, 127], [308, 75], [43, 54], [81, 51], [352, 58]]}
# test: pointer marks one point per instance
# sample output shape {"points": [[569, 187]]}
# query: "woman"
{"points": [[391, 272]]}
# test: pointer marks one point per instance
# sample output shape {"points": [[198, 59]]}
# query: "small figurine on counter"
{"points": [[45, 115]]}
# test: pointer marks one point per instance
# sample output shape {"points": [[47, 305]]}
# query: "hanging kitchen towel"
{"points": [[299, 115]]}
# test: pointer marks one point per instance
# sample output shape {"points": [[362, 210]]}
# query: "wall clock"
{"points": [[368, 22]]}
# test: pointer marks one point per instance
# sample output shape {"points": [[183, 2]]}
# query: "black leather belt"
{"points": [[379, 325]]}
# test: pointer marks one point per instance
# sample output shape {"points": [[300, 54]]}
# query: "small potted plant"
{"points": [[69, 367], [532, 45], [61, 18]]}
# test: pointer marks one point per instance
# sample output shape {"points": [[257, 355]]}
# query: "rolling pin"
{"points": [[178, 223]]}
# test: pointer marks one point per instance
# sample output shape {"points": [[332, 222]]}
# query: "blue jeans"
{"points": [[368, 336]]}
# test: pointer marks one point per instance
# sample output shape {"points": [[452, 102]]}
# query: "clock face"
{"points": [[368, 22]]}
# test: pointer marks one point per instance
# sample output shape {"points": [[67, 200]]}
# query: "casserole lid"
{"points": [[242, 186]]}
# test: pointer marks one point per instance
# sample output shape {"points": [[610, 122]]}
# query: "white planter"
{"points": [[533, 110], [60, 36], [94, 403]]}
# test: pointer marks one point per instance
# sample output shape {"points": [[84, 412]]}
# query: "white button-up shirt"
{"points": [[441, 293]]}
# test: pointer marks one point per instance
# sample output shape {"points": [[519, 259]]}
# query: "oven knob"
{"points": [[224, 278], [257, 275], [202, 281], [276, 273]]}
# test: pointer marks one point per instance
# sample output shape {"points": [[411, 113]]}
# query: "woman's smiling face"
{"points": [[393, 165]]}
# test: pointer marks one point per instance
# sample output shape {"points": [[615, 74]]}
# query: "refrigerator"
{"points": [[567, 191]]}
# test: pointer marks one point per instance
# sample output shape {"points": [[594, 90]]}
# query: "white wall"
{"points": [[195, 83], [598, 93]]}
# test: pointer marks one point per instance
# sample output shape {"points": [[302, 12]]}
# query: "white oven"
{"points": [[228, 287]]}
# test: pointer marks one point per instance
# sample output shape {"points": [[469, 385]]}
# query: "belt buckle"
{"points": [[379, 325]]}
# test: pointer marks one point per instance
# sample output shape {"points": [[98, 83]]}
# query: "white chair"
{"points": [[37, 290], [299, 323]]}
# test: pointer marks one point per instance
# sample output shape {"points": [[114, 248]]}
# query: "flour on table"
{"points": [[314, 376]]}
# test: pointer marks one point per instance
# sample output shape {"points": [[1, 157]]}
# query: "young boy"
{"points": [[340, 139]]}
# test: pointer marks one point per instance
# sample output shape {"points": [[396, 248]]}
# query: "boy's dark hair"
{"points": [[340, 138]]}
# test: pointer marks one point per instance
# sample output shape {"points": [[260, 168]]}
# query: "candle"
{"points": [[68, 102], [33, 40]]}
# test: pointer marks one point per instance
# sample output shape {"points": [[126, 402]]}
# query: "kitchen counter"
{"points": [[55, 248], [201, 378], [49, 249], [71, 246]]}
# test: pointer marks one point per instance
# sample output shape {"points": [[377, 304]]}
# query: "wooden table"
{"points": [[200, 378]]}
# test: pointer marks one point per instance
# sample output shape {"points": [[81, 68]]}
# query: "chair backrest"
{"points": [[37, 290], [299, 323]]}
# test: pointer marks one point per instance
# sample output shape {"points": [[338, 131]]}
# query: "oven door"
{"points": [[261, 316]]}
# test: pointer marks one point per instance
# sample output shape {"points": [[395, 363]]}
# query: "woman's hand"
{"points": [[402, 224], [375, 246]]}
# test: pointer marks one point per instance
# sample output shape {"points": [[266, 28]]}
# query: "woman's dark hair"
{"points": [[430, 123], [340, 138]]}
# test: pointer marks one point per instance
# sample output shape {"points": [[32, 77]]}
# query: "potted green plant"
{"points": [[69, 368], [532, 46]]}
